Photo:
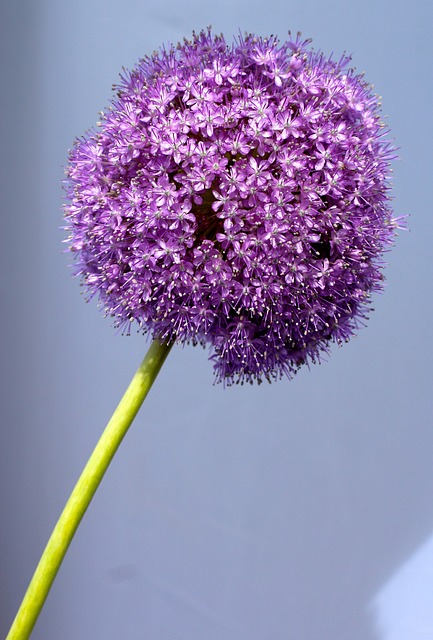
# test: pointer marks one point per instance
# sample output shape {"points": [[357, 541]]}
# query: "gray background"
{"points": [[301, 509]]}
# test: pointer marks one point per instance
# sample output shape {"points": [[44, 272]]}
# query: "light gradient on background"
{"points": [[301, 509]]}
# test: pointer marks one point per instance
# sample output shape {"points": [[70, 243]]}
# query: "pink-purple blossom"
{"points": [[235, 196]]}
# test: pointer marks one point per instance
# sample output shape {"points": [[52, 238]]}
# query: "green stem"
{"points": [[84, 491]]}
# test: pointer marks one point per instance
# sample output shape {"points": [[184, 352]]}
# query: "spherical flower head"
{"points": [[235, 196]]}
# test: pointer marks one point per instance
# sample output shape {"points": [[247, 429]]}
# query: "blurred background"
{"points": [[301, 509]]}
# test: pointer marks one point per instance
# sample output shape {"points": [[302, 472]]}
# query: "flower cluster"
{"points": [[235, 196]]}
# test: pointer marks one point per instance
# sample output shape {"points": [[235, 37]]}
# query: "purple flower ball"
{"points": [[235, 196]]}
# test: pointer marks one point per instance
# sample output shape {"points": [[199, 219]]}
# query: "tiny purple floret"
{"points": [[237, 197]]}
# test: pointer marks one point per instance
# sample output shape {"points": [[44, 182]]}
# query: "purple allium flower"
{"points": [[235, 196]]}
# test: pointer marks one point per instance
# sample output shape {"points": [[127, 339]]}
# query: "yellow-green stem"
{"points": [[84, 491]]}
